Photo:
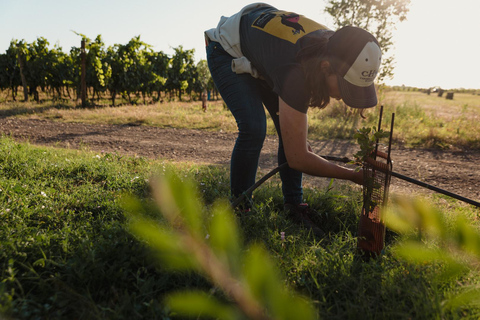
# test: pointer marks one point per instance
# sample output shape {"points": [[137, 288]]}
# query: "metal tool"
{"points": [[417, 182], [249, 191]]}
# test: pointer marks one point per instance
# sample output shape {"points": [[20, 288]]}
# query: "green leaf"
{"points": [[397, 222], [224, 236], [416, 252], [132, 206], [432, 220], [293, 307], [407, 215], [469, 296], [367, 141], [197, 304], [467, 236], [179, 200], [39, 263], [261, 275], [166, 243], [268, 288]]}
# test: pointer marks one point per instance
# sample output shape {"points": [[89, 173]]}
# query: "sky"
{"points": [[436, 46]]}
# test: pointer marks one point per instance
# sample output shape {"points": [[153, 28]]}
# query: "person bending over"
{"points": [[263, 56]]}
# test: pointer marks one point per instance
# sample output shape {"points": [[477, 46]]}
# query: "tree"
{"points": [[131, 70], [115, 68], [183, 72], [97, 71], [376, 16], [75, 71], [9, 70], [203, 75], [126, 68], [57, 70], [21, 52], [38, 65], [133, 60], [159, 63], [68, 69]]}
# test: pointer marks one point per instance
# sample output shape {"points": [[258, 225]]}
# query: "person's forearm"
{"points": [[314, 165]]}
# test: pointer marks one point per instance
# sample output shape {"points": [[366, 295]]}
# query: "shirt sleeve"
{"points": [[289, 84]]}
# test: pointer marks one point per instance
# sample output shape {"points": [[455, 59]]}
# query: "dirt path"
{"points": [[455, 171]]}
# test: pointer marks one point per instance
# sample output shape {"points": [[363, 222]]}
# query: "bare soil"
{"points": [[455, 171]]}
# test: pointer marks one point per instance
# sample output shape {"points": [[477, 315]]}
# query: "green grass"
{"points": [[65, 252], [434, 122]]}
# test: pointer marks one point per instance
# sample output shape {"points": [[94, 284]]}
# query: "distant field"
{"points": [[463, 104], [432, 121]]}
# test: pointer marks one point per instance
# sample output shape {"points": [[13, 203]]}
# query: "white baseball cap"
{"points": [[355, 56]]}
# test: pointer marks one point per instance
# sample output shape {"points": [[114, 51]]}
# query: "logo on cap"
{"points": [[363, 71]]}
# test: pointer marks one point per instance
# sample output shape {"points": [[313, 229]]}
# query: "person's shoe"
{"points": [[300, 214]]}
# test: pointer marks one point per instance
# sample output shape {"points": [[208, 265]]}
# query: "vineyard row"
{"points": [[127, 70]]}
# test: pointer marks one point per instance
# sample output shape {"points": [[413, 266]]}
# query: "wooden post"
{"points": [[204, 100], [22, 75], [83, 82]]}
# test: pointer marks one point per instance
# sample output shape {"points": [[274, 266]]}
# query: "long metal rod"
{"points": [[389, 160], [433, 188], [391, 136], [378, 129], [411, 180], [237, 201]]}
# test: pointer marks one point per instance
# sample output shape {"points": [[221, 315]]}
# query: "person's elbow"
{"points": [[296, 160]]}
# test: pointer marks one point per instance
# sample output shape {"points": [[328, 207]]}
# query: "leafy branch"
{"points": [[367, 139], [210, 244], [456, 244], [377, 17]]}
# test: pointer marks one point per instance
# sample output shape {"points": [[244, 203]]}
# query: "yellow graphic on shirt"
{"points": [[286, 25]]}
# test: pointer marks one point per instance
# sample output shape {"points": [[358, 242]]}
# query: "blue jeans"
{"points": [[245, 96]]}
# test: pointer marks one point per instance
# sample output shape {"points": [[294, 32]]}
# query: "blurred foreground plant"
{"points": [[210, 243], [430, 237]]}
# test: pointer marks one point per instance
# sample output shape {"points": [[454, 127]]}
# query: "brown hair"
{"points": [[311, 57]]}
